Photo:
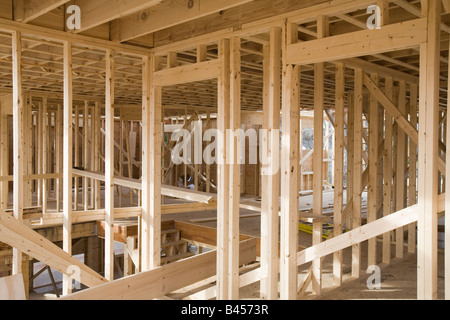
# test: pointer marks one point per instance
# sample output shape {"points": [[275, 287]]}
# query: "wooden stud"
{"points": [[289, 172], [271, 180], [428, 154], [45, 152], [400, 195], [373, 172], [339, 169], [18, 151], [4, 158], [387, 193], [109, 166], [234, 143], [151, 168], [68, 160], [223, 172], [412, 194], [357, 169]]}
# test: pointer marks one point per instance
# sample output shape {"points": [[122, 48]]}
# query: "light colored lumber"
{"points": [[18, 141], [109, 165], [388, 174], [401, 36], [358, 235], [289, 172], [223, 172], [15, 233], [271, 180], [373, 172], [339, 169], [95, 13], [165, 279], [67, 161], [428, 154], [12, 288], [190, 73], [28, 10], [168, 14], [357, 169]]}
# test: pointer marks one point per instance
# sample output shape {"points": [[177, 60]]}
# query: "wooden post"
{"points": [[97, 125], [151, 168], [447, 206], [428, 154], [18, 160], [68, 160], [109, 167], [45, 151], [373, 173], [4, 158], [223, 172], [412, 194], [400, 195], [357, 169], [76, 142], [339, 169], [85, 153], [234, 144], [289, 172], [271, 180], [387, 193]]}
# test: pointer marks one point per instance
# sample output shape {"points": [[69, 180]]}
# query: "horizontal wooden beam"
{"points": [[163, 280], [168, 14], [166, 190], [27, 10], [95, 13], [399, 36], [190, 73]]}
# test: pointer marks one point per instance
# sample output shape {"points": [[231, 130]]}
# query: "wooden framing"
{"points": [[232, 62], [289, 169], [67, 161], [428, 155], [271, 181]]}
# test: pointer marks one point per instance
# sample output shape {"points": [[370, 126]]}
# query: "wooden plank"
{"points": [[358, 235], [289, 172], [357, 169], [190, 73], [372, 208], [428, 154], [271, 180], [151, 179], [223, 172], [12, 288], [169, 14], [339, 169], [45, 151], [165, 279], [388, 175], [28, 10], [447, 208], [401, 36], [109, 165], [18, 148], [412, 194], [401, 149], [235, 168], [4, 157], [95, 13], [15, 233], [67, 161]]}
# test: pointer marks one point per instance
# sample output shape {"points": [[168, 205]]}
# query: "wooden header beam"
{"points": [[390, 38]]}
